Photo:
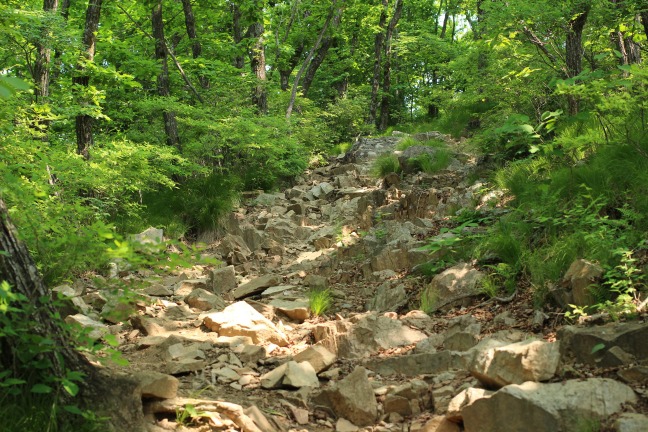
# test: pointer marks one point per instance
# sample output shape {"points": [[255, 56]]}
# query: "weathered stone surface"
{"points": [[437, 424], [578, 343], [250, 353], [419, 364], [259, 419], [373, 332], [234, 249], [256, 286], [241, 319], [454, 286], [344, 425], [300, 375], [222, 280], [631, 422], [531, 360], [388, 298], [580, 275], [158, 290], [316, 281], [634, 374], [274, 378], [460, 341], [156, 385], [462, 400], [296, 310], [318, 356], [148, 326], [185, 287], [204, 300], [558, 407], [353, 398], [97, 329], [150, 236]]}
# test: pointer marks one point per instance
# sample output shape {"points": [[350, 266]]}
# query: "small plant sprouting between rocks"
{"points": [[319, 301]]}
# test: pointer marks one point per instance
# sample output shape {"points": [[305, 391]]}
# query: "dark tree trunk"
{"points": [[343, 85], [318, 59], [446, 16], [190, 24], [43, 56], [644, 21], [318, 42], [84, 121], [384, 103], [163, 84], [286, 71], [258, 66], [114, 397], [574, 51], [237, 35], [378, 49]]}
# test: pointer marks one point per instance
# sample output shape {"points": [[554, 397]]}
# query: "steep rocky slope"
{"points": [[235, 346]]}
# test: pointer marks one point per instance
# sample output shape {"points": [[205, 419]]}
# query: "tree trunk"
{"points": [[286, 71], [384, 103], [43, 56], [293, 93], [574, 51], [190, 24], [318, 59], [163, 85], [84, 121], [114, 397], [258, 64], [237, 35], [378, 49]]}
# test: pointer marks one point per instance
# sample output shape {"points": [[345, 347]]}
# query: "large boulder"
{"points": [[596, 345], [222, 280], [256, 286], [454, 286], [353, 398], [559, 407], [388, 298], [579, 277], [234, 249], [531, 360], [241, 319]]}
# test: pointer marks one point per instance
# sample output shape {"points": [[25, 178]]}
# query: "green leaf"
{"points": [[12, 382], [41, 388], [597, 348], [111, 340], [73, 409], [70, 387], [527, 128]]}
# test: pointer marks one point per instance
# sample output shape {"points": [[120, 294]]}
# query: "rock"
{"points": [[580, 275], [274, 378], [250, 353], [186, 287], [344, 425], [567, 406], [318, 356], [204, 300], [389, 259], [397, 404], [419, 364], [353, 398], [96, 329], [454, 286], [241, 319], [460, 341], [256, 286], [234, 249], [225, 375], [631, 422], [391, 179], [407, 159], [300, 415], [634, 374], [388, 298], [148, 326], [531, 360], [277, 290], [222, 280], [465, 398], [180, 351], [373, 332], [150, 236], [158, 290], [295, 310], [316, 282], [578, 343], [156, 385], [300, 375], [438, 424]]}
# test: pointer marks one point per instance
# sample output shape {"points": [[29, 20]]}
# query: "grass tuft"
{"points": [[319, 301]]}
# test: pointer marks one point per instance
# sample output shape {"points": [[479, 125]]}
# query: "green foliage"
{"points": [[432, 164], [408, 142], [428, 300], [320, 301], [385, 164]]}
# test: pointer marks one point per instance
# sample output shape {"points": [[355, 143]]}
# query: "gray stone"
{"points": [[316, 281], [558, 407], [250, 353], [274, 378], [631, 422], [353, 398], [460, 341], [419, 364], [318, 356], [234, 249], [150, 236], [465, 398], [204, 300], [156, 385], [96, 329], [241, 319], [455, 286], [300, 375], [388, 298], [222, 280], [256, 286], [296, 310], [578, 343], [531, 360], [580, 275]]}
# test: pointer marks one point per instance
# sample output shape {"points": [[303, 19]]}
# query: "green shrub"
{"points": [[432, 164], [408, 142], [385, 164], [320, 301]]}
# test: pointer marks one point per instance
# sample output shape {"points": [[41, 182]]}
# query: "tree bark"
{"points": [[286, 71], [114, 397], [43, 55], [237, 34], [384, 103], [163, 84], [574, 51], [84, 121], [318, 59], [258, 61], [293, 94], [190, 24], [378, 49]]}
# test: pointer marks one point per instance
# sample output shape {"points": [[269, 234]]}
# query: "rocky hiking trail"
{"points": [[235, 347]]}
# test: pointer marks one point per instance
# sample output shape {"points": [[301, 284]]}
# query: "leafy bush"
{"points": [[432, 164]]}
